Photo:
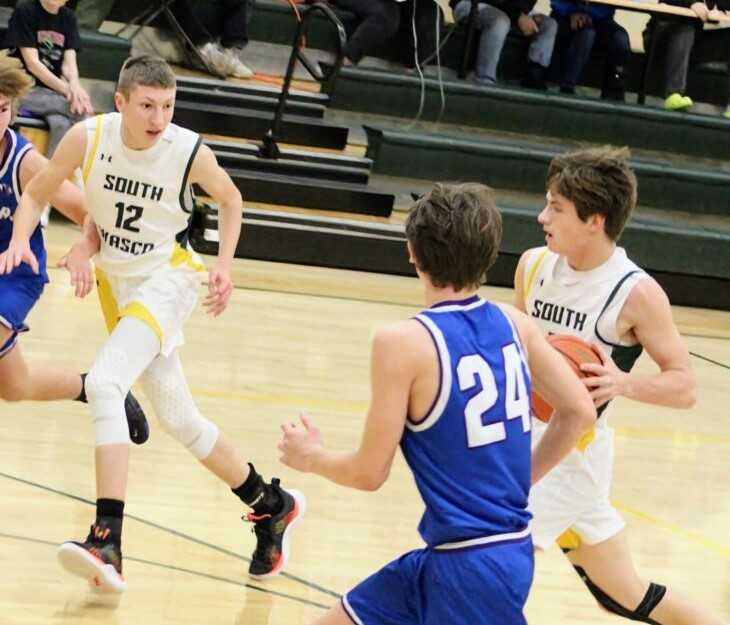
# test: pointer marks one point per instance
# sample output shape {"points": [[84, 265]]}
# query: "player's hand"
{"points": [[78, 265], [17, 252], [220, 288], [300, 444], [604, 381], [700, 10]]}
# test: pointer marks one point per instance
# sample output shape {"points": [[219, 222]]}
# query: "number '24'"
{"points": [[516, 399]]}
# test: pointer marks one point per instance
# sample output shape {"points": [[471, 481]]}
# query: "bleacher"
{"points": [[322, 206]]}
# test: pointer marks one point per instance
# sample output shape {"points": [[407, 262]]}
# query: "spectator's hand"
{"points": [[700, 9], [527, 25], [80, 102], [78, 264], [579, 21]]}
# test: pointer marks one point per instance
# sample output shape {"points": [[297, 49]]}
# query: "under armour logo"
{"points": [[105, 157]]}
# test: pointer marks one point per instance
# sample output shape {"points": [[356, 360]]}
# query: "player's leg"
{"points": [[608, 571], [275, 511], [41, 383], [128, 351]]}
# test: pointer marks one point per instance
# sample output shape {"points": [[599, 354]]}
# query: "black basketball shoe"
{"points": [[98, 560], [272, 533], [139, 429]]}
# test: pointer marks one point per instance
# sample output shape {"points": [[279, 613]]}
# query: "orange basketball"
{"points": [[576, 352]]}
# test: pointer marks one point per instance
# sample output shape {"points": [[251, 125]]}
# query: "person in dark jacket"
{"points": [[495, 20], [579, 27]]}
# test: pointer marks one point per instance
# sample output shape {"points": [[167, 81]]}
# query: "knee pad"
{"points": [[651, 599], [105, 393], [180, 417]]}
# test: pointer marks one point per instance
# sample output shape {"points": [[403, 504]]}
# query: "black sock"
{"points": [[110, 514], [82, 394], [258, 495]]}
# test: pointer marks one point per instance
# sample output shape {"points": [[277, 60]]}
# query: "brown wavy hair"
{"points": [[598, 181], [455, 232], [15, 82]]}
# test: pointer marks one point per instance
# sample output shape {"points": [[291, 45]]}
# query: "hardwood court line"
{"points": [[169, 530], [341, 298], [710, 360], [172, 567], [673, 528], [706, 336]]}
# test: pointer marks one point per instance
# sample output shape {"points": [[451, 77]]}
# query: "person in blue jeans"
{"points": [[579, 27], [495, 20], [451, 386]]}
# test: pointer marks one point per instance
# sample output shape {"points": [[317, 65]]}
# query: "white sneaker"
{"points": [[240, 69], [216, 59]]}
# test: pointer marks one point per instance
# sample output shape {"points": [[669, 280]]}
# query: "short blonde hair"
{"points": [[15, 82], [146, 70]]}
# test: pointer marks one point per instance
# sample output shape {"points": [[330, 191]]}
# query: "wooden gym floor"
{"points": [[297, 338]]}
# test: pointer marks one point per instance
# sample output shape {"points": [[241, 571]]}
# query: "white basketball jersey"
{"points": [[136, 197], [585, 304]]}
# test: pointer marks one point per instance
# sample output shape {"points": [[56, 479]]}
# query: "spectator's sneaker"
{"points": [[98, 560], [727, 112], [272, 533], [677, 102], [238, 68], [139, 429], [216, 61]]}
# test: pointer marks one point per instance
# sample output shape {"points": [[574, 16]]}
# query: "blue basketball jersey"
{"points": [[470, 455], [16, 147]]}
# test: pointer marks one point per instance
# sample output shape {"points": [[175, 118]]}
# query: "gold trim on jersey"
{"points": [[569, 539], [586, 440], [140, 311], [181, 256], [109, 307], [111, 312], [88, 164], [531, 275]]}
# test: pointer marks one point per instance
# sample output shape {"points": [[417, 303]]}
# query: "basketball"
{"points": [[576, 352]]}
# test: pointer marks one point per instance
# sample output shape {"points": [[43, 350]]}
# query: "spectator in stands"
{"points": [[579, 25], [495, 20], [219, 29], [675, 42], [44, 35], [378, 22]]}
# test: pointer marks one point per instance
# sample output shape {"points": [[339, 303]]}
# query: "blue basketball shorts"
{"points": [[483, 585], [17, 297]]}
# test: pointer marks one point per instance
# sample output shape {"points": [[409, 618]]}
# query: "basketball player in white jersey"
{"points": [[137, 168], [584, 285], [21, 287]]}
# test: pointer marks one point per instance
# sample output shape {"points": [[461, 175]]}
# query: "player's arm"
{"points": [[394, 363], [648, 314], [214, 180], [68, 198], [520, 282], [554, 380], [39, 191]]}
